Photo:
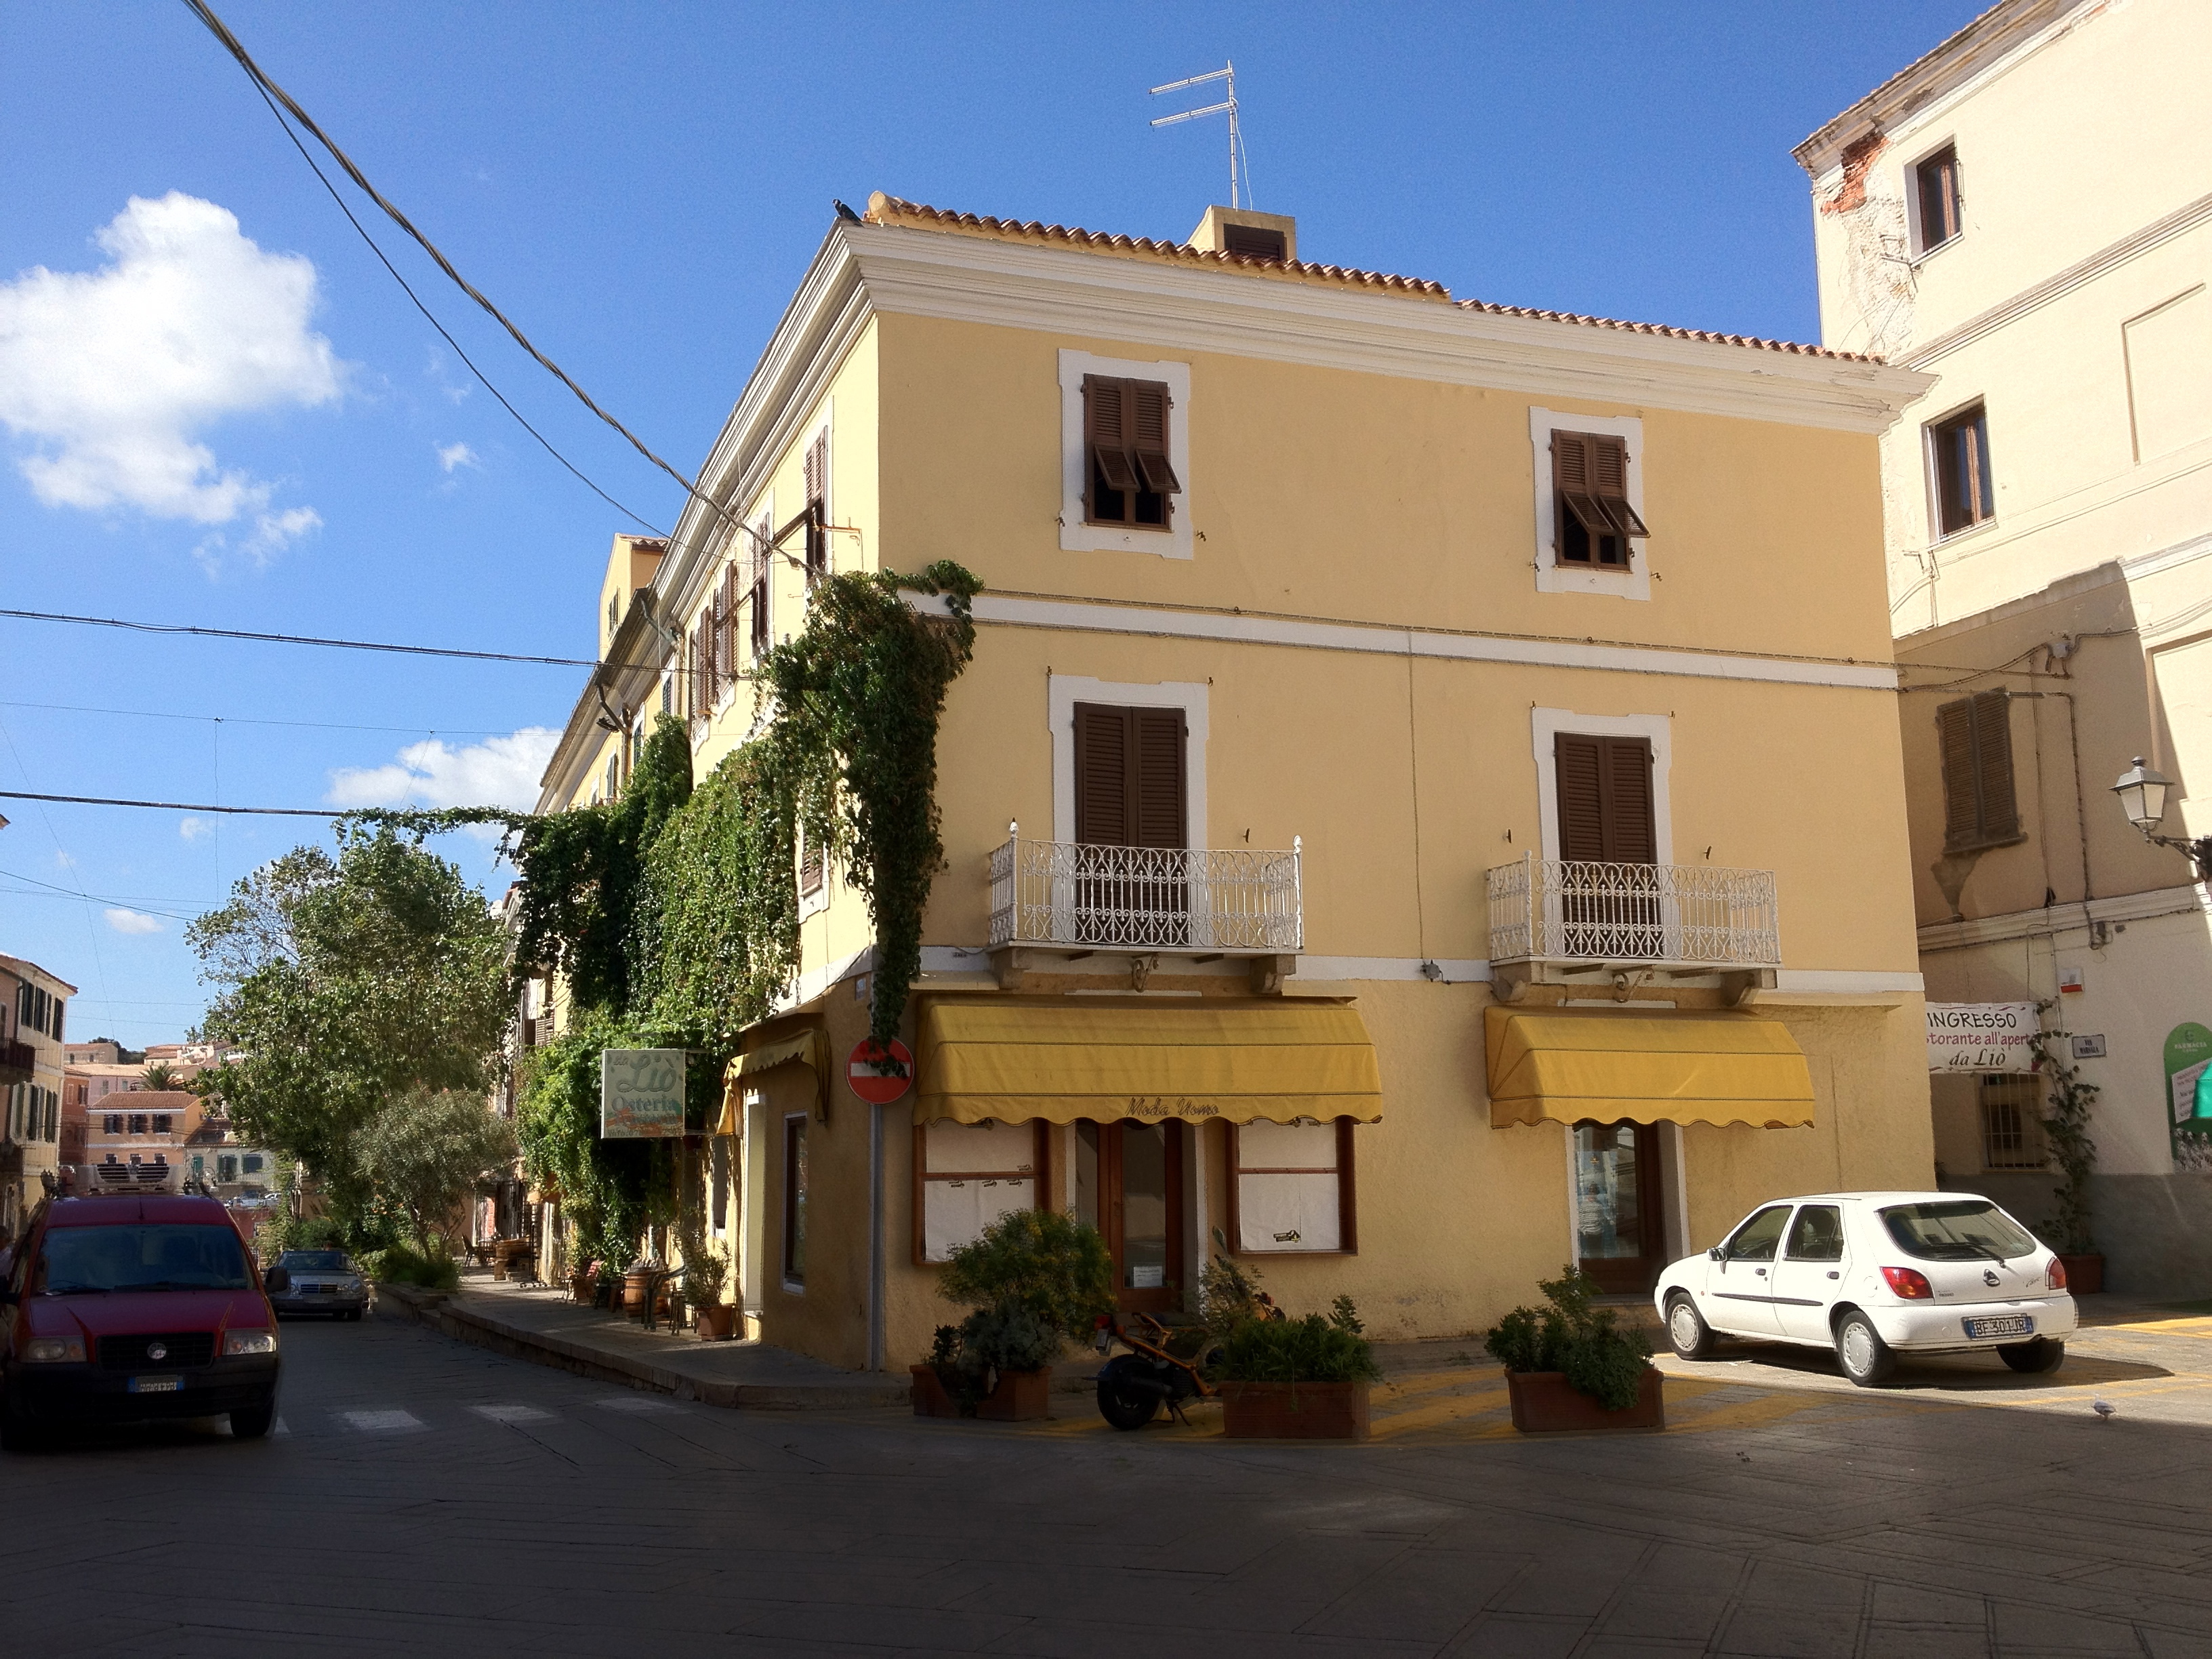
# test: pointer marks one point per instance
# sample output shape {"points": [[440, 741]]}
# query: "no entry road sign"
{"points": [[880, 1072]]}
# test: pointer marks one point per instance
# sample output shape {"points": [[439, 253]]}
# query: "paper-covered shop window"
{"points": [[1292, 1187], [968, 1175]]}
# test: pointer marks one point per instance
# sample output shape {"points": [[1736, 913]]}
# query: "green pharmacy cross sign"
{"points": [[2189, 1085]]}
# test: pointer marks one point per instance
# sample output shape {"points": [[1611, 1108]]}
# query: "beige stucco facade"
{"points": [[34, 1015], [2072, 307], [1361, 616]]}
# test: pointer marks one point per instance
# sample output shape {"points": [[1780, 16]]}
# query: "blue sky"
{"points": [[640, 187]]}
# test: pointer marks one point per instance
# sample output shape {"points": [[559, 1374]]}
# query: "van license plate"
{"points": [[2008, 1325], [155, 1384]]}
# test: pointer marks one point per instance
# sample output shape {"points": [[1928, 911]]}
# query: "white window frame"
{"points": [[1916, 228], [1552, 576], [1546, 724], [1076, 537], [1932, 473], [1064, 691]]}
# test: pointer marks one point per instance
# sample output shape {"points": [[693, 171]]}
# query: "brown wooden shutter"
{"points": [[1609, 483], [1606, 806], [1159, 769], [1102, 774], [1980, 807], [1107, 422], [817, 505], [1151, 404]]}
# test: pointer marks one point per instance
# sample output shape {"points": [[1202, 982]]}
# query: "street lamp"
{"points": [[2143, 792]]}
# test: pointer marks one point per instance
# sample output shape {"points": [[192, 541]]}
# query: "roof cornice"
{"points": [[1990, 38]]}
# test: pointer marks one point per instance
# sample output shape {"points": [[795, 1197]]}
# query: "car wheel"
{"points": [[1123, 1405], [254, 1422], [1866, 1358], [2045, 1353], [1687, 1330]]}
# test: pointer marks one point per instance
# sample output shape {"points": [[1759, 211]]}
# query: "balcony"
{"points": [[18, 1063], [1556, 921], [1079, 900]]}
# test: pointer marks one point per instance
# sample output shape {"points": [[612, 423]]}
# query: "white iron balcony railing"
{"points": [[1692, 917], [1077, 895]]}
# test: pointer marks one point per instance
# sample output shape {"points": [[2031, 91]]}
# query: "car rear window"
{"points": [[1959, 1230], [75, 1261], [316, 1261]]}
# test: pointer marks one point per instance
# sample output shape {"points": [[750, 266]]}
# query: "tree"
{"points": [[161, 1076], [347, 982], [428, 1149]]}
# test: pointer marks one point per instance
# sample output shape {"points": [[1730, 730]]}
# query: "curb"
{"points": [[435, 1310]]}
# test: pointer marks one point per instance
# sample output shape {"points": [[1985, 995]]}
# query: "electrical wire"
{"points": [[248, 720], [308, 639], [270, 89], [185, 807]]}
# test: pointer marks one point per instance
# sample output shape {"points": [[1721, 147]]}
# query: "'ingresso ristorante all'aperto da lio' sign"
{"points": [[641, 1093], [1982, 1036]]}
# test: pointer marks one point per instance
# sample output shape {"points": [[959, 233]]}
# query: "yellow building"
{"points": [[1425, 804], [1981, 217], [34, 1006]]}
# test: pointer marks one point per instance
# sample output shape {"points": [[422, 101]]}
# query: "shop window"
{"points": [[2012, 1123], [794, 1201], [1292, 1188], [966, 1176]]}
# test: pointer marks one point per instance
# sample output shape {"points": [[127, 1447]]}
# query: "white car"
{"points": [[1873, 1275]]}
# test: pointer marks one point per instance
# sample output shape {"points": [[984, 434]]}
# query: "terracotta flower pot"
{"points": [[2085, 1274], [717, 1322], [1545, 1402], [1017, 1397], [1294, 1410], [930, 1399]]}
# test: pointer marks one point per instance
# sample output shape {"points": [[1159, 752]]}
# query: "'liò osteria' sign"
{"points": [[1982, 1036]]}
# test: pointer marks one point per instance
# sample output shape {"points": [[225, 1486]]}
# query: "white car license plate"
{"points": [[2003, 1325], [322, 1290], [155, 1384]]}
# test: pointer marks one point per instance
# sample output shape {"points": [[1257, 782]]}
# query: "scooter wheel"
{"points": [[1126, 1407]]}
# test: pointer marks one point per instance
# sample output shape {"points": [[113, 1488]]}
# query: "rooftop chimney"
{"points": [[1252, 236]]}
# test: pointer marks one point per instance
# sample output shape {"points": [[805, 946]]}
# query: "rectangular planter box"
{"points": [[1017, 1397], [2085, 1274], [1545, 1403], [1294, 1410]]}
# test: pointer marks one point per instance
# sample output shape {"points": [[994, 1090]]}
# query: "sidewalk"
{"points": [[545, 1326]]}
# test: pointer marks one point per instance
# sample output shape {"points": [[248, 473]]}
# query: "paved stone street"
{"points": [[427, 1497]]}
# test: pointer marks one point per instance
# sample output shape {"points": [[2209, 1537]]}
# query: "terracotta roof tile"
{"points": [[885, 209]]}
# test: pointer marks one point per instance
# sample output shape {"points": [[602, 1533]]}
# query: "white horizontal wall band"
{"points": [[1108, 617], [1461, 970], [2065, 918]]}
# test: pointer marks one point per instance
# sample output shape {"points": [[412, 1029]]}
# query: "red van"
{"points": [[126, 1307]]}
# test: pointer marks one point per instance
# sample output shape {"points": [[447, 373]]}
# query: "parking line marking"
{"points": [[513, 1413], [385, 1422]]}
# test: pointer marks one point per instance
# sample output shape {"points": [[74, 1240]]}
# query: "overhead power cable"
{"points": [[253, 720], [270, 89], [185, 807], [304, 639]]}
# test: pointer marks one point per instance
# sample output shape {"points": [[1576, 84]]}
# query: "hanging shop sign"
{"points": [[880, 1072], [1982, 1036], [642, 1094]]}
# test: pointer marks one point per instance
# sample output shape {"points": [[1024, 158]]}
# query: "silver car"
{"points": [[316, 1282], [1873, 1276]]}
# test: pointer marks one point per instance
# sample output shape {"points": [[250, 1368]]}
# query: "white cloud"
{"points": [[133, 921], [65, 860], [196, 829], [451, 456], [112, 375], [497, 772]]}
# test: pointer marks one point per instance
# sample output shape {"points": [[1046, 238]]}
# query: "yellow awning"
{"points": [[1013, 1062], [805, 1049], [1573, 1066]]}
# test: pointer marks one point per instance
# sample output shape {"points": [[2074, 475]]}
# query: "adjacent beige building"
{"points": [[34, 1006], [2025, 216]]}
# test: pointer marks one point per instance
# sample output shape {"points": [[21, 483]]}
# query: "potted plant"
{"points": [[1035, 1280], [1302, 1379], [2066, 1131], [706, 1270], [1570, 1366]]}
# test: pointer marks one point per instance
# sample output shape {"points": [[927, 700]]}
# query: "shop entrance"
{"points": [[1129, 1181], [1619, 1237]]}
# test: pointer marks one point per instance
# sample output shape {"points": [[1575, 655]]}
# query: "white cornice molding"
{"points": [[1162, 306], [2063, 918], [1110, 617]]}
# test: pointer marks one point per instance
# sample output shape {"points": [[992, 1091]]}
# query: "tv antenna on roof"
{"points": [[1240, 165]]}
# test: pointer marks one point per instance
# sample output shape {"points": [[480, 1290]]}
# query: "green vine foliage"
{"points": [[2066, 1131]]}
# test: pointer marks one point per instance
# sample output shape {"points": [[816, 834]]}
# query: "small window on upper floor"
{"points": [[817, 506], [1959, 461], [1124, 436], [1590, 475], [1936, 180]]}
